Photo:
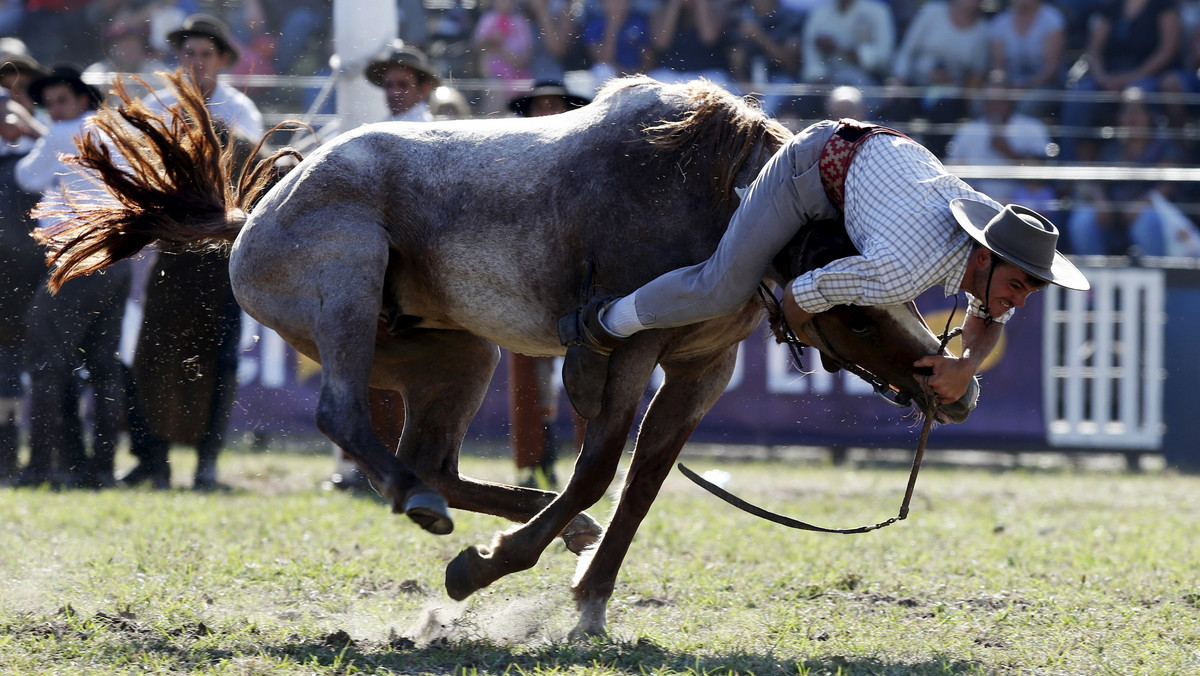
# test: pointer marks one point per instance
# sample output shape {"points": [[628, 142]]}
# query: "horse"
{"points": [[400, 256]]}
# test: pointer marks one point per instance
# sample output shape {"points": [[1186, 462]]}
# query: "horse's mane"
{"points": [[716, 124]]}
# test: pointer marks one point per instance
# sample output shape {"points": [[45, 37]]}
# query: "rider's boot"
{"points": [[589, 346]]}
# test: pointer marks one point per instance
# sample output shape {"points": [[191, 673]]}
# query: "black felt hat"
{"points": [[520, 105], [64, 74]]}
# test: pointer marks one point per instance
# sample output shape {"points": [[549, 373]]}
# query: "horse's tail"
{"points": [[172, 177]]}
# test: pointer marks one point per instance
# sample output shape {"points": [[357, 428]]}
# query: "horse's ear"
{"points": [[816, 244]]}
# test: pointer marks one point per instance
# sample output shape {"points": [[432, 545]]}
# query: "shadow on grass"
{"points": [[484, 657], [641, 656], [195, 647]]}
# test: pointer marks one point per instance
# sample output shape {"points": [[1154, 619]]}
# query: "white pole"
{"points": [[361, 30]]}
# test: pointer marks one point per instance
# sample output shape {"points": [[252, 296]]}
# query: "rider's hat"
{"points": [[520, 105], [1022, 237]]}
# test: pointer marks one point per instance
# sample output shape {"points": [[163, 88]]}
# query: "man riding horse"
{"points": [[915, 224]]}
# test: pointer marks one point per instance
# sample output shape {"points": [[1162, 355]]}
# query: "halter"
{"points": [[881, 387]]}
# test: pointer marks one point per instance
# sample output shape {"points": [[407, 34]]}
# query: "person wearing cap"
{"points": [[533, 398], [79, 328], [18, 126], [205, 49], [916, 226], [407, 79]]}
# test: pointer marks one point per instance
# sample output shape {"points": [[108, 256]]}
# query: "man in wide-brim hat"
{"points": [[17, 70], [407, 79], [205, 49], [915, 225], [548, 97], [67, 75], [205, 26]]}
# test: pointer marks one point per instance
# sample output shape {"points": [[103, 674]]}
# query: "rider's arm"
{"points": [[862, 280], [952, 375]]}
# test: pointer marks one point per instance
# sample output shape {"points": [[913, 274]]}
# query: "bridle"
{"points": [[785, 334]]}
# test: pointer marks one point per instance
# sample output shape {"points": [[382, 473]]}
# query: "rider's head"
{"points": [[1015, 254]]}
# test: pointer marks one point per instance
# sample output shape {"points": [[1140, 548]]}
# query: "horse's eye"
{"points": [[860, 328]]}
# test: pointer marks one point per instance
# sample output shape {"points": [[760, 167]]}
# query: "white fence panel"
{"points": [[1103, 371]]}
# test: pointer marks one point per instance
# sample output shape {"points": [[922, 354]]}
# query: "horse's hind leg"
{"points": [[325, 299], [444, 376], [688, 392], [519, 549]]}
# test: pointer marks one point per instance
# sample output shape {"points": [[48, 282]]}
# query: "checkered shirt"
{"points": [[898, 215]]}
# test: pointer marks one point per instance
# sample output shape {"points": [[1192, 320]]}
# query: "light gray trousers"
{"points": [[786, 195]]}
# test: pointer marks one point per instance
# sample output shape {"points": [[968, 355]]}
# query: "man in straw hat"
{"points": [[407, 79], [916, 227]]}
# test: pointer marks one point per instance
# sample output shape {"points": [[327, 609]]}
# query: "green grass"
{"points": [[1022, 571]]}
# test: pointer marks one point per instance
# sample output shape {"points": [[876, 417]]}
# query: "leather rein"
{"points": [[881, 387]]}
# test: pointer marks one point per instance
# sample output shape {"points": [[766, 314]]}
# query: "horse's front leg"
{"points": [[521, 547], [687, 393]]}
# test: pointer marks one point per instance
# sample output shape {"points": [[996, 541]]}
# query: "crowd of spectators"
{"points": [[921, 65]]}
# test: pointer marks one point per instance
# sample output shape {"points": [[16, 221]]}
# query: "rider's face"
{"points": [[1010, 287]]}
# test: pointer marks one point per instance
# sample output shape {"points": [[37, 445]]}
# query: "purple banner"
{"points": [[767, 401]]}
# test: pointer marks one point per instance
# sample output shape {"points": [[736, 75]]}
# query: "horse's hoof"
{"points": [[458, 574], [429, 510], [580, 634], [593, 621], [581, 533]]}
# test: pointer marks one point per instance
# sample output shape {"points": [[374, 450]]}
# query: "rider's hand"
{"points": [[951, 376]]}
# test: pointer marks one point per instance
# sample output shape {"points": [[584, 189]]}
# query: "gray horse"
{"points": [[399, 256]]}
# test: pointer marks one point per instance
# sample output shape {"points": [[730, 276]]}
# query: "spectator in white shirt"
{"points": [[185, 363], [1000, 136], [205, 49]]}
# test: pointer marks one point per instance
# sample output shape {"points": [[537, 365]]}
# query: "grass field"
{"points": [[1061, 571]]}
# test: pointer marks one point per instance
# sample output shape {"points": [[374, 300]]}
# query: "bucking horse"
{"points": [[401, 255]]}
